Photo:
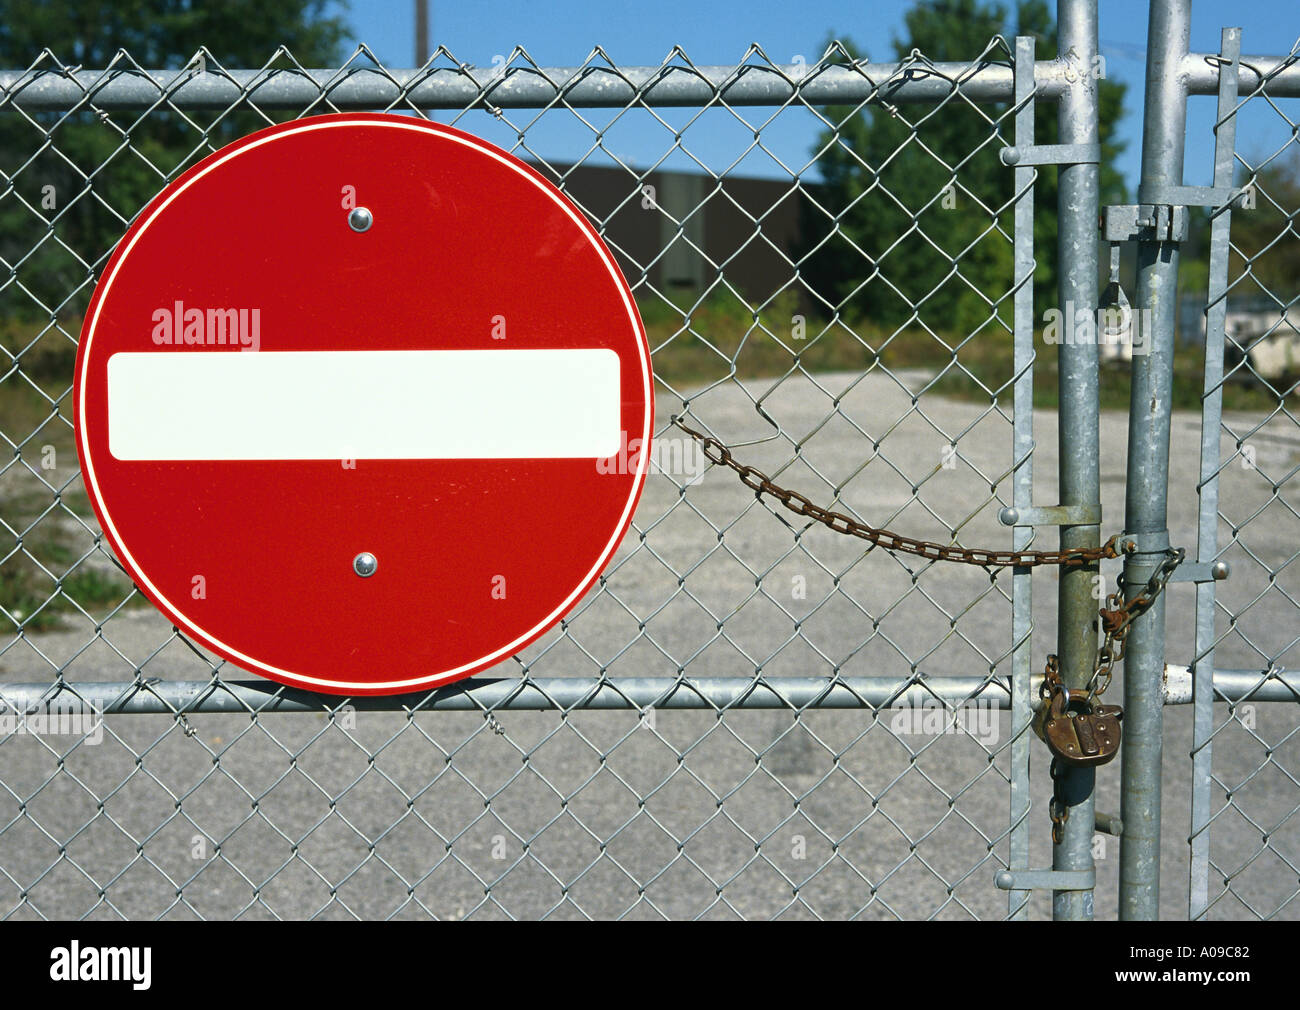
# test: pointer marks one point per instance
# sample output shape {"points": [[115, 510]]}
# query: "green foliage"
{"points": [[1264, 257], [1265, 242], [78, 178], [702, 340], [32, 601], [920, 194], [71, 183]]}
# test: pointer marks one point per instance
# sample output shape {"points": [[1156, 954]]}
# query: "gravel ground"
{"points": [[754, 814]]}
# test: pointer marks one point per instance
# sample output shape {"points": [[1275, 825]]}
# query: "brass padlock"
{"points": [[1077, 730]]}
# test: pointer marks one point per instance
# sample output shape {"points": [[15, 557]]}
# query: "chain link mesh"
{"points": [[636, 810], [615, 769]]}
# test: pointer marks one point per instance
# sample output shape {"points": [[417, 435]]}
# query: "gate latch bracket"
{"points": [[1162, 215], [1051, 515], [1046, 880], [1128, 222], [1195, 196], [1200, 571], [1051, 154]]}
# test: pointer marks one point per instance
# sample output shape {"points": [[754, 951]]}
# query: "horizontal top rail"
{"points": [[357, 88]]}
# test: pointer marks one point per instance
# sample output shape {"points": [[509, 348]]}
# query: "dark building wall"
{"points": [[676, 232]]}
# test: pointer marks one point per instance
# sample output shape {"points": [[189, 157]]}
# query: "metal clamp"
{"points": [[1144, 543], [1052, 515], [1046, 880], [1052, 154]]}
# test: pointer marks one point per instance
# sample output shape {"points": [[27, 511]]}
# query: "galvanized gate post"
{"points": [[1078, 432], [1146, 498]]}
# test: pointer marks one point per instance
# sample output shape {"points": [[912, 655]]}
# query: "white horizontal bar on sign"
{"points": [[283, 405]]}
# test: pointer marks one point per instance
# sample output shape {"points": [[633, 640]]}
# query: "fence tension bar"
{"points": [[1023, 692], [1202, 670]]}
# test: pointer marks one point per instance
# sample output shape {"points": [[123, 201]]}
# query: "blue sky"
{"points": [[721, 31]]}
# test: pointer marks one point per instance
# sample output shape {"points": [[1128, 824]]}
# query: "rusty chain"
{"points": [[1057, 809], [1116, 616], [758, 481]]}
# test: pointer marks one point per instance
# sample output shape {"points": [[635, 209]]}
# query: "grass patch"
{"points": [[36, 401], [703, 341], [43, 581], [42, 577], [695, 342]]}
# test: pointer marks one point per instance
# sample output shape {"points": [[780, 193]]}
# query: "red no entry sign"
{"points": [[354, 396]]}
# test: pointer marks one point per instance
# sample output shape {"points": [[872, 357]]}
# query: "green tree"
{"points": [[918, 192], [72, 180]]}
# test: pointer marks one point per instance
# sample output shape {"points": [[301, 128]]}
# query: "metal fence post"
{"points": [[1146, 501], [1078, 432]]}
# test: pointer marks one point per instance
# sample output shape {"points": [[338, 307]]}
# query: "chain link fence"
{"points": [[750, 715], [723, 729]]}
